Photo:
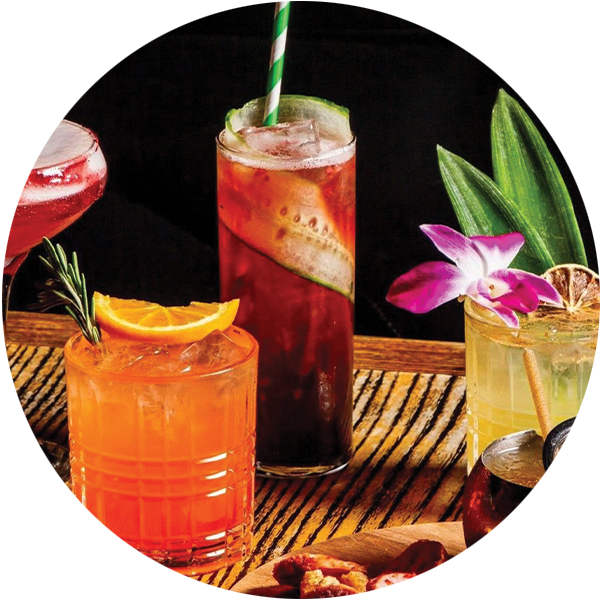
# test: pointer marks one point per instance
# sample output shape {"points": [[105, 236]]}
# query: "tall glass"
{"points": [[162, 444], [286, 249], [52, 171], [499, 399]]}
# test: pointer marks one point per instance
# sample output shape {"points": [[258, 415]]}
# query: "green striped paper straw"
{"points": [[280, 24]]}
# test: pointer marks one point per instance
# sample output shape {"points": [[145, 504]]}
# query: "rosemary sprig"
{"points": [[66, 287], [37, 44]]}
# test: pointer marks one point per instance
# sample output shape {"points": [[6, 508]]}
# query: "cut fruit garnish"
{"points": [[285, 217], [148, 321], [266, 202], [277, 211], [578, 286]]}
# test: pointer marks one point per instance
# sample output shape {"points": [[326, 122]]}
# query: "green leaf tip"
{"points": [[525, 170], [527, 192], [482, 209]]}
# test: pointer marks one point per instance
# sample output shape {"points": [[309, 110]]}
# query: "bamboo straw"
{"points": [[542, 410], [537, 391]]}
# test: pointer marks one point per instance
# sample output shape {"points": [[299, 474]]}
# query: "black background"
{"points": [[153, 235]]}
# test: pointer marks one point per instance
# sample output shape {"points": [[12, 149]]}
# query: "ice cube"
{"points": [[136, 358], [160, 361], [194, 353], [146, 359], [115, 356], [299, 139], [216, 351]]}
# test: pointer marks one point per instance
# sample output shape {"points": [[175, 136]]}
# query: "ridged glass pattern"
{"points": [[168, 466]]}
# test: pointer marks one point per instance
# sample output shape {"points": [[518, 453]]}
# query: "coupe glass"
{"points": [[52, 171]]}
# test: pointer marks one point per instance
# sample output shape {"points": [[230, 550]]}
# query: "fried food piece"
{"points": [[315, 585], [419, 557], [310, 582], [408, 585], [355, 579], [291, 570]]}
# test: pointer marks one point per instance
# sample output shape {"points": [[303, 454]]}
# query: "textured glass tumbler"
{"points": [[499, 399], [167, 462]]}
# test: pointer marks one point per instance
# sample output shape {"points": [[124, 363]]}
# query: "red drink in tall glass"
{"points": [[286, 247]]}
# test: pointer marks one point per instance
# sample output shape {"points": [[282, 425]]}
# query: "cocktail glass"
{"points": [[52, 171], [162, 441], [286, 205], [499, 398]]}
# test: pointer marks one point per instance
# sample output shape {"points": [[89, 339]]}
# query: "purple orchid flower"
{"points": [[480, 271]]}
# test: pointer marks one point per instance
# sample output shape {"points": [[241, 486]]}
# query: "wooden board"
{"points": [[368, 547], [391, 354]]}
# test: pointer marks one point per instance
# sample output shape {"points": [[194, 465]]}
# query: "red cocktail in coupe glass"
{"points": [[52, 171]]}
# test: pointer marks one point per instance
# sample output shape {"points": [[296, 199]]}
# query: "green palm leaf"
{"points": [[525, 171], [482, 209]]}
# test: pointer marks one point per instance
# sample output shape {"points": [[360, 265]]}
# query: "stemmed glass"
{"points": [[67, 178]]}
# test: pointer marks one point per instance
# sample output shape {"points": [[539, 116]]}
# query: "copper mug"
{"points": [[532, 512]]}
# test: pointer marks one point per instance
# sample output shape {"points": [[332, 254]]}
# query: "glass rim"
{"points": [[282, 162], [69, 355], [502, 327], [91, 149]]}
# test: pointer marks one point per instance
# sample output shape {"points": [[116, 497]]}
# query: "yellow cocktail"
{"points": [[499, 399]]}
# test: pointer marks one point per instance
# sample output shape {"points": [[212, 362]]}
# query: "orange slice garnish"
{"points": [[141, 320], [577, 285]]}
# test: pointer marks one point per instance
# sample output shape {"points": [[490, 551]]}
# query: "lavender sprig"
{"points": [[37, 44], [67, 287]]}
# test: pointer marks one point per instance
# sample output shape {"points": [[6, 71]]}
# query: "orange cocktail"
{"points": [[162, 443]]}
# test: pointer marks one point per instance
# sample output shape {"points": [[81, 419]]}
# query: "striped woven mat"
{"points": [[409, 462]]}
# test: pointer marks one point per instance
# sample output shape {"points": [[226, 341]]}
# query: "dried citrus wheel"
{"points": [[141, 320], [578, 286]]}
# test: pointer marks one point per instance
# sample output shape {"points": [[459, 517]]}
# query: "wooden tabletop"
{"points": [[409, 462]]}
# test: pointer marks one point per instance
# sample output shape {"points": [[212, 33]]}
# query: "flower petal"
{"points": [[508, 316], [427, 286], [500, 250], [522, 299], [517, 290], [545, 291], [458, 248], [505, 288]]}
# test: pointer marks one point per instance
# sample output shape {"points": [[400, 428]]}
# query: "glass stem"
{"points": [[7, 279]]}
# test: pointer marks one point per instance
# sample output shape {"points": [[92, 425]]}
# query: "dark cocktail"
{"points": [[286, 198]]}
